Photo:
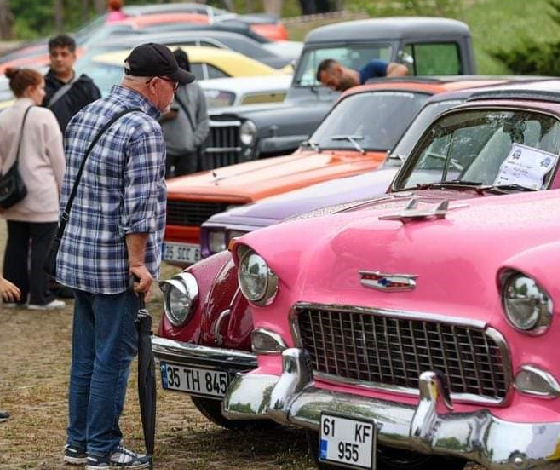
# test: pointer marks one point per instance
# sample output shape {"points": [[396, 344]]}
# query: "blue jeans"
{"points": [[104, 343]]}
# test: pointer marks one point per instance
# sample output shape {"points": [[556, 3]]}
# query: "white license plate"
{"points": [[194, 380], [348, 442], [182, 252]]}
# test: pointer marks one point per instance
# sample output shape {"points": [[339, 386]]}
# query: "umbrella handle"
{"points": [[131, 280]]}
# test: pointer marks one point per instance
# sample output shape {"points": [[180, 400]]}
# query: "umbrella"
{"points": [[146, 377]]}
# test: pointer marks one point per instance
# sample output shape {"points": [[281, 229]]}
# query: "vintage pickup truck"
{"points": [[429, 46]]}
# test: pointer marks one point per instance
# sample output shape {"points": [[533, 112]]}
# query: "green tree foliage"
{"points": [[377, 8], [532, 56]]}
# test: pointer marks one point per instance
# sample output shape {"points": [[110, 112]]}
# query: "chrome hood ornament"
{"points": [[411, 212], [387, 282]]}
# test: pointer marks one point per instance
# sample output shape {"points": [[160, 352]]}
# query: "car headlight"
{"points": [[257, 281], [527, 305], [180, 296], [248, 133], [217, 241]]}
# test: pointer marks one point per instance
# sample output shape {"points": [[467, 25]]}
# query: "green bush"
{"points": [[532, 58]]}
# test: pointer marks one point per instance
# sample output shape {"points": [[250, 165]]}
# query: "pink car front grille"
{"points": [[374, 349]]}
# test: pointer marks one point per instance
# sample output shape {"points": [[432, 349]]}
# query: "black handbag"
{"points": [[12, 186], [49, 264]]}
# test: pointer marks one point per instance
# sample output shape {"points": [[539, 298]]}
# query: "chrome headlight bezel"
{"points": [[265, 293], [248, 133], [184, 285], [538, 304]]}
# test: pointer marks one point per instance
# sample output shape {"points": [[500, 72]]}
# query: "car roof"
{"points": [[195, 53], [388, 28], [130, 40], [420, 84], [530, 87], [150, 20]]}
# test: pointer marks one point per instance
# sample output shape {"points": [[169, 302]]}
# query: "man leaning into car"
{"points": [[334, 75]]}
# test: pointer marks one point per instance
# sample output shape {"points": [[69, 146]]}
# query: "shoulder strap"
{"points": [[62, 91], [68, 208], [21, 134], [184, 106]]}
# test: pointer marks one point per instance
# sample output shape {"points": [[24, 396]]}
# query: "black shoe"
{"points": [[74, 455], [4, 415], [121, 458]]}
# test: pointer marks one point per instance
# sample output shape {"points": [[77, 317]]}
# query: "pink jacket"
{"points": [[41, 162]]}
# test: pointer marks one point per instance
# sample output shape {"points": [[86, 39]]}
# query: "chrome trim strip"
{"points": [[195, 354], [217, 123], [402, 314], [492, 333]]}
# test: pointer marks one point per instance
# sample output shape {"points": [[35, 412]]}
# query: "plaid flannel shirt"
{"points": [[122, 191]]}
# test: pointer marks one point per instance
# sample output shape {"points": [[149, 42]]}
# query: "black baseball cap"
{"points": [[149, 60]]}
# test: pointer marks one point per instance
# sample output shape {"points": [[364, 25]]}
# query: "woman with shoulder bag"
{"points": [[30, 140]]}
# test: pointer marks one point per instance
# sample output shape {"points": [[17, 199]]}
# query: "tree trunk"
{"points": [[85, 11], [100, 6], [273, 6], [6, 20], [58, 16]]}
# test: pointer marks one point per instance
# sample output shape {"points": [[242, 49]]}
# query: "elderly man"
{"points": [[115, 230], [334, 75]]}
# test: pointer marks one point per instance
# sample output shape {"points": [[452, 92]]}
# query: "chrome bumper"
{"points": [[431, 427], [194, 355]]}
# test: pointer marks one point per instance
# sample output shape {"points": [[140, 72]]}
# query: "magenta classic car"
{"points": [[416, 331], [207, 325]]}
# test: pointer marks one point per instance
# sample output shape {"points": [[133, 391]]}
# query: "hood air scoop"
{"points": [[411, 212]]}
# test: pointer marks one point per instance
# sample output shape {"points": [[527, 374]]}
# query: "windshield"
{"points": [[218, 98], [425, 117], [352, 56], [486, 147], [373, 120]]}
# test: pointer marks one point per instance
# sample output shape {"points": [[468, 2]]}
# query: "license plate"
{"points": [[183, 252], [205, 382], [348, 442]]}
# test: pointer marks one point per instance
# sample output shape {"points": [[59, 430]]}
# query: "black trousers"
{"points": [[27, 246], [178, 165]]}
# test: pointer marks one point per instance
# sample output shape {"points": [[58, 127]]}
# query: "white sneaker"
{"points": [[52, 305]]}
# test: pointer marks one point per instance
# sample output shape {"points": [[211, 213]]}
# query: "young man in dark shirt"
{"points": [[66, 93], [334, 75]]}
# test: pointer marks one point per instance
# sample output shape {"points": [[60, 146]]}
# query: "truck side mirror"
{"points": [[405, 58]]}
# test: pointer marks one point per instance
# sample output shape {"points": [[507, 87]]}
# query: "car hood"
{"points": [[456, 259], [254, 180], [338, 191]]}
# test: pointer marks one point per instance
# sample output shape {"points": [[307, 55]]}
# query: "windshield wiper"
{"points": [[352, 139], [504, 188], [449, 185], [313, 145]]}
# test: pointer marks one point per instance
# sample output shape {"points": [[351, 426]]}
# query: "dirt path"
{"points": [[34, 363]]}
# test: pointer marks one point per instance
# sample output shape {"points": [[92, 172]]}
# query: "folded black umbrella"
{"points": [[146, 378]]}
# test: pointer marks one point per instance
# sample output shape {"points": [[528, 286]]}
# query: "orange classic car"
{"points": [[354, 137]]}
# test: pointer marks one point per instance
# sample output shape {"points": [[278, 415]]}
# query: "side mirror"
{"points": [[405, 58]]}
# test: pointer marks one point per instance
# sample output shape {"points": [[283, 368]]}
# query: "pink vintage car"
{"points": [[417, 331]]}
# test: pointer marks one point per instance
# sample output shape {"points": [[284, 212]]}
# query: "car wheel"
{"points": [[212, 410], [393, 459]]}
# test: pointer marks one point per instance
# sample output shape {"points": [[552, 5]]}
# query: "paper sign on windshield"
{"points": [[525, 166]]}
